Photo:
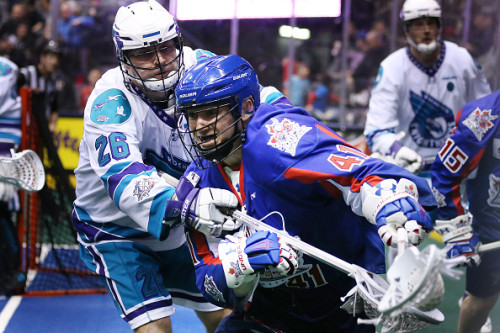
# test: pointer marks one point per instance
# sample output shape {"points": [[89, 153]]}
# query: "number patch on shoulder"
{"points": [[452, 156], [118, 148]]}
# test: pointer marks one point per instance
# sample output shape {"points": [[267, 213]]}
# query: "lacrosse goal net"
{"points": [[50, 256]]}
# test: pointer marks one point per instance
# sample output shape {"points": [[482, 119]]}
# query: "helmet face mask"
{"points": [[217, 136], [213, 100], [149, 47]]}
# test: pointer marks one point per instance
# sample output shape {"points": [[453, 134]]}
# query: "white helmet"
{"points": [[145, 24], [415, 9]]}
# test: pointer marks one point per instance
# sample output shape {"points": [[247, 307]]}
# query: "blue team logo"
{"points": [[480, 122], [110, 107], [433, 121], [167, 162]]}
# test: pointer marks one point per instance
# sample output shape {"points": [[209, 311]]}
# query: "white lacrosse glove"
{"points": [[392, 205], [201, 208], [7, 190], [459, 238], [243, 257], [406, 157]]}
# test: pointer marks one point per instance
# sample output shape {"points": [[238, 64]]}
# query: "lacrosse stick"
{"points": [[369, 287], [489, 247], [415, 279], [24, 170]]}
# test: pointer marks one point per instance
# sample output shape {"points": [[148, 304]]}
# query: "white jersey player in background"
{"points": [[418, 92], [419, 89], [129, 137]]}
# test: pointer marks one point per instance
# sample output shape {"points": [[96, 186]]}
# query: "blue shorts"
{"points": [[143, 283], [484, 280]]}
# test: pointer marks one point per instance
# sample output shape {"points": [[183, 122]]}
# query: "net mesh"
{"points": [[50, 252], [366, 296]]}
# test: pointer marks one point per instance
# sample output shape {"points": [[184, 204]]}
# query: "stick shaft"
{"points": [[296, 243], [489, 247]]}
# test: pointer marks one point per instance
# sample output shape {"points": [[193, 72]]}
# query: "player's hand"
{"points": [[392, 205], [243, 257], [201, 208], [406, 157], [459, 238]]}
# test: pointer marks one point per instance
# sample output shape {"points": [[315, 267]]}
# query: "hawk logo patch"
{"points": [[110, 107], [285, 135], [211, 289], [480, 122], [143, 187]]}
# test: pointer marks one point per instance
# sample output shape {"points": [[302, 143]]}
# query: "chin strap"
{"points": [[422, 47]]}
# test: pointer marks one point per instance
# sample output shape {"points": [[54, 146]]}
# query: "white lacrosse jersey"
{"points": [[126, 141], [10, 107], [421, 102]]}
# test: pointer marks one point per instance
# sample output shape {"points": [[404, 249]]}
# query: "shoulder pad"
{"points": [[5, 68], [110, 107]]}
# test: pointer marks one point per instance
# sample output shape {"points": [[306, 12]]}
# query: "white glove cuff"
{"points": [[458, 234], [237, 269]]}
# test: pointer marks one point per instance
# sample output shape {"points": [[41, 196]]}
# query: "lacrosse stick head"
{"points": [[414, 281], [23, 169], [366, 295]]}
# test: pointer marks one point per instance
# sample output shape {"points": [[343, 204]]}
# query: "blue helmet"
{"points": [[209, 85], [218, 78]]}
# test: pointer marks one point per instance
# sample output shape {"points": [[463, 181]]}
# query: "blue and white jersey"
{"points": [[304, 178], [421, 102], [473, 148], [10, 107], [126, 141]]}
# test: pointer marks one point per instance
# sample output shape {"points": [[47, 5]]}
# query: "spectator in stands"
{"points": [[298, 85], [10, 138], [94, 75], [23, 43], [318, 96], [71, 30], [42, 77]]}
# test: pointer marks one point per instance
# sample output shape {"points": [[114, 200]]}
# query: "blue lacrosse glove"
{"points": [[459, 238], [199, 208], [243, 257], [392, 205]]}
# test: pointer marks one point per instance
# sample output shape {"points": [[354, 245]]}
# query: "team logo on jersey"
{"points": [[479, 122], [285, 135], [440, 198], [496, 148], [211, 289], [5, 69], [110, 107], [143, 187], [494, 191], [433, 122]]}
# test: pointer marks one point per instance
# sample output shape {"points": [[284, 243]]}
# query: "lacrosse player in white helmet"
{"points": [[419, 89], [129, 146]]}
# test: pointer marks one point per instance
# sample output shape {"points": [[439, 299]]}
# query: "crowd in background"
{"points": [[83, 29]]}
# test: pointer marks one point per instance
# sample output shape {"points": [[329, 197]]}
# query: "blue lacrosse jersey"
{"points": [[473, 148], [307, 180]]}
